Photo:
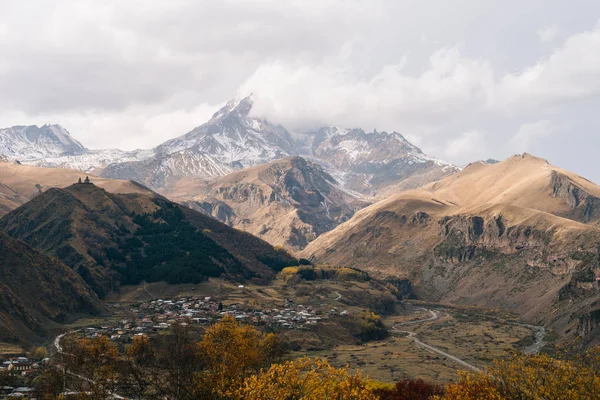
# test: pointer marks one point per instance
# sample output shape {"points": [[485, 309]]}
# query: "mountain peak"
{"points": [[528, 157], [239, 106], [34, 143]]}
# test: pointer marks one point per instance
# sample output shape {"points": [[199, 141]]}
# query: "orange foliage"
{"points": [[532, 377], [307, 379]]}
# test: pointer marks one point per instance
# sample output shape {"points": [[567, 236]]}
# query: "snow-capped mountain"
{"points": [[233, 137], [160, 171], [53, 146], [371, 163], [27, 143], [230, 140]]}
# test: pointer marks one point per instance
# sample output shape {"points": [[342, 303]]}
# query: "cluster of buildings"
{"points": [[22, 370], [157, 315]]}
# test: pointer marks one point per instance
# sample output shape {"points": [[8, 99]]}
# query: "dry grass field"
{"points": [[9, 349], [472, 335]]}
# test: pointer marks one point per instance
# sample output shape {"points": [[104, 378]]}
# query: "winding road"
{"points": [[539, 334], [59, 350], [412, 335]]}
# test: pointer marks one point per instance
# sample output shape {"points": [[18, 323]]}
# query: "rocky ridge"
{"points": [[288, 202], [517, 235]]}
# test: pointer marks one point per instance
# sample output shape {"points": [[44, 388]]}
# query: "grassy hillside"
{"points": [[37, 291], [21, 183], [112, 239]]}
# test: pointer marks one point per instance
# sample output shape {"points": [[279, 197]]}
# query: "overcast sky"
{"points": [[463, 79]]}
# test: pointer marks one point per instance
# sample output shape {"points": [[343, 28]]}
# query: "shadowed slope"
{"points": [[112, 239]]}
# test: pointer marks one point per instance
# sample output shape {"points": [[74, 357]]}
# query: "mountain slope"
{"points": [[371, 163], [167, 170], [288, 202], [234, 137], [31, 143], [377, 161], [112, 239], [230, 140], [20, 183], [521, 235], [37, 292]]}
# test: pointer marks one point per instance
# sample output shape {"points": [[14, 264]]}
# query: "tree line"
{"points": [[234, 362]]}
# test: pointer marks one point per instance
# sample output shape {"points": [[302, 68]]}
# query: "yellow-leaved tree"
{"points": [[92, 367], [533, 377], [231, 353], [306, 379]]}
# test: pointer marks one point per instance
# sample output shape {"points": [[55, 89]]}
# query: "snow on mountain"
{"points": [[369, 162], [92, 160], [161, 171], [27, 143], [232, 137], [229, 140], [366, 162]]}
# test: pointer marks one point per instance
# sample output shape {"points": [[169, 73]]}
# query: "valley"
{"points": [[474, 336], [301, 200], [422, 285]]}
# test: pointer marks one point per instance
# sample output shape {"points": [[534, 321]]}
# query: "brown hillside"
{"points": [[20, 183], [37, 292], [288, 202], [521, 235], [112, 239]]}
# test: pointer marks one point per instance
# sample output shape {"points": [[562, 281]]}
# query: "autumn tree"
{"points": [[40, 352], [138, 368], [306, 379], [232, 352], [372, 327], [49, 384], [92, 365], [536, 376], [179, 362]]}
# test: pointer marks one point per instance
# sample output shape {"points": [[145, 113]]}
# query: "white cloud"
{"points": [[300, 96], [132, 74], [548, 33], [466, 146], [527, 134], [571, 72]]}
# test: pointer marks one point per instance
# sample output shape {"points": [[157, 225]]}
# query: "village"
{"points": [[152, 317], [20, 371], [159, 315]]}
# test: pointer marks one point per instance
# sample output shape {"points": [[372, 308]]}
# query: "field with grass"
{"points": [[9, 349], [474, 336]]}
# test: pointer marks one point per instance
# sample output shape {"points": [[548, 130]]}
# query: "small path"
{"points": [[434, 315], [148, 293], [57, 340]]}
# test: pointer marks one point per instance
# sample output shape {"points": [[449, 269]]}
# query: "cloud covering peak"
{"points": [[464, 80]]}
